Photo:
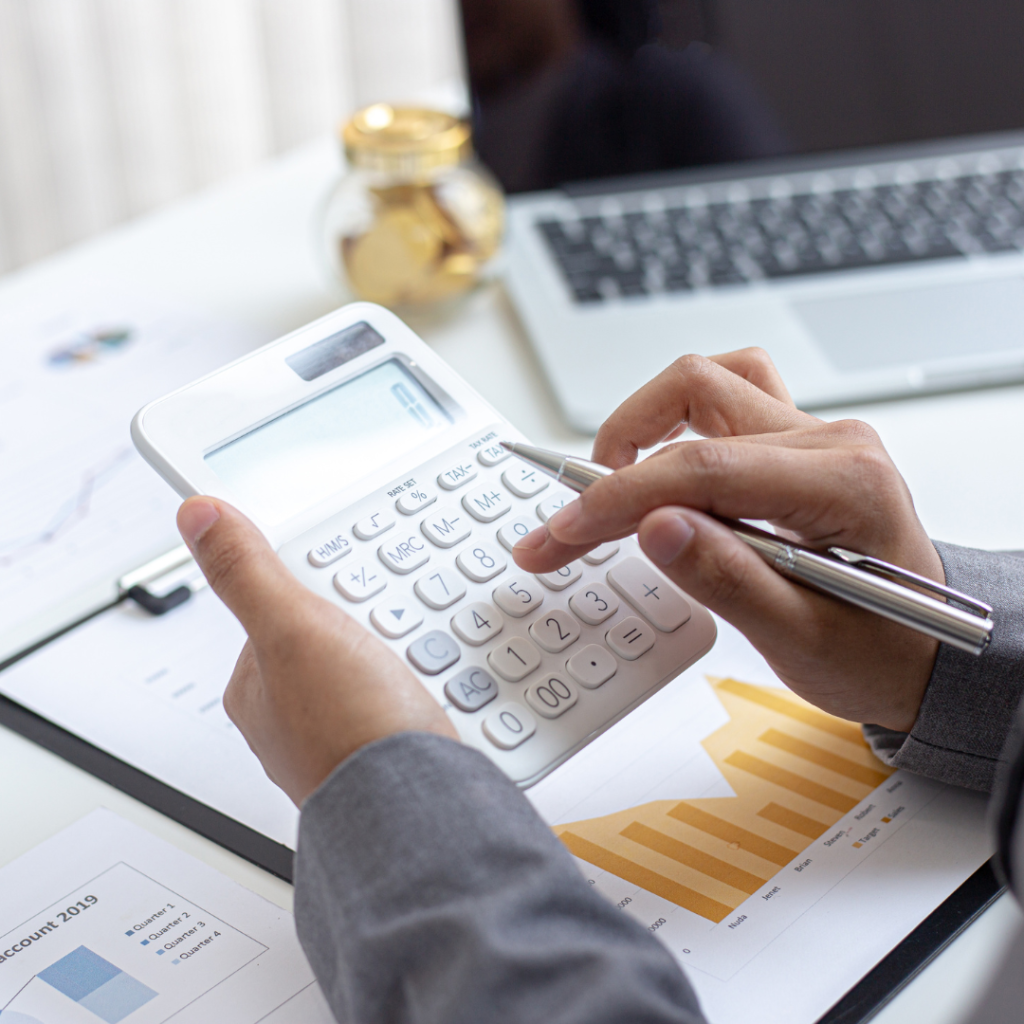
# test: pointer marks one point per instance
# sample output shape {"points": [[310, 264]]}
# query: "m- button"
{"points": [[650, 594]]}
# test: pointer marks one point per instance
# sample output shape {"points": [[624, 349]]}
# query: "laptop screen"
{"points": [[569, 91]]}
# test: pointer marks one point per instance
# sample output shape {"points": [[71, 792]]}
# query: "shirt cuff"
{"points": [[970, 703]]}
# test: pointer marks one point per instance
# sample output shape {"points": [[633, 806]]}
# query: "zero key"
{"points": [[650, 594]]}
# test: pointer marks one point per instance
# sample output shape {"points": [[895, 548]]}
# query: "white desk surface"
{"points": [[249, 251]]}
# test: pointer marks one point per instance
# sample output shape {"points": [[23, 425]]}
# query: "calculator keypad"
{"points": [[528, 666]]}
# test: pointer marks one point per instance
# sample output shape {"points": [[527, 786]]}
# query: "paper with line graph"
{"points": [[761, 840]]}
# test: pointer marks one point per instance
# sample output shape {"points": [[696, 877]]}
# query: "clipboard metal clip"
{"points": [[163, 583]]}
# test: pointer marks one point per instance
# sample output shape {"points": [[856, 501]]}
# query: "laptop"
{"points": [[841, 183]]}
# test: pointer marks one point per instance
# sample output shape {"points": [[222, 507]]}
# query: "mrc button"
{"points": [[405, 554], [330, 551]]}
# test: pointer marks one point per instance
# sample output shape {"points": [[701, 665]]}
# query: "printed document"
{"points": [[106, 923]]}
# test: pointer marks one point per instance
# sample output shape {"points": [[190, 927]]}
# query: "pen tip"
{"points": [[508, 445]]}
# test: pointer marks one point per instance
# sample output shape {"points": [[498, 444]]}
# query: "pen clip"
{"points": [[881, 568]]}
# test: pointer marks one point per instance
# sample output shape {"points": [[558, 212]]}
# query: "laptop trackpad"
{"points": [[917, 325]]}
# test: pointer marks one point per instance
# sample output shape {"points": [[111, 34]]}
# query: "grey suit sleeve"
{"points": [[970, 703], [428, 890]]}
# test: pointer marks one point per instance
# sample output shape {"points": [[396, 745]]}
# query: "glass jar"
{"points": [[415, 218]]}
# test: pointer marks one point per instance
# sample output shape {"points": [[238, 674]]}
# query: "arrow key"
{"points": [[397, 617]]}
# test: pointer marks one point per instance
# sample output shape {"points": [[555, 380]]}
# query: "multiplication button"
{"points": [[360, 582], [553, 503], [455, 476], [650, 594], [591, 667], [602, 553], [630, 638], [330, 551], [508, 726]]}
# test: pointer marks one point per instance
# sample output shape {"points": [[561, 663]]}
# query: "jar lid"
{"points": [[405, 139]]}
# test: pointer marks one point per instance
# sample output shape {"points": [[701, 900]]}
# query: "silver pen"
{"points": [[860, 580]]}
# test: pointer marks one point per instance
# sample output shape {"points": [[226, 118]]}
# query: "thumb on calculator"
{"points": [[312, 685]]}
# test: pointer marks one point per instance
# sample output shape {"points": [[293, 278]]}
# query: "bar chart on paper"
{"points": [[760, 839]]}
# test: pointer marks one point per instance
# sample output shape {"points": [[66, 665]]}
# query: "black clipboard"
{"points": [[881, 984]]}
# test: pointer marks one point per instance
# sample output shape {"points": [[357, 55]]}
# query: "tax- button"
{"points": [[591, 667], [330, 551], [472, 688], [447, 526], [630, 638], [508, 726], [650, 594], [403, 556], [455, 476], [487, 503], [374, 525], [434, 652]]}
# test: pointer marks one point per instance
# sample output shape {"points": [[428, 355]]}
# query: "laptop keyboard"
{"points": [[727, 243]]}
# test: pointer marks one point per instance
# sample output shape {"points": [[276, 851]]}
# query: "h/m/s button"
{"points": [[330, 551]]}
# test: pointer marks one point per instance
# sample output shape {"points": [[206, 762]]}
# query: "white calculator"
{"points": [[376, 473]]}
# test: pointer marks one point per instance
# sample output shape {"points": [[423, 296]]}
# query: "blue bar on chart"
{"points": [[97, 985]]}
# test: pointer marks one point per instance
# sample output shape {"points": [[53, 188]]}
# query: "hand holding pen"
{"points": [[820, 484]]}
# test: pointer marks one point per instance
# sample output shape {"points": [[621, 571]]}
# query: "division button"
{"points": [[561, 578], [404, 555], [524, 480], [553, 697], [397, 617], [359, 582], [630, 638], [492, 455], [447, 526], [471, 689], [518, 596], [514, 659], [602, 553], [592, 666], [594, 604], [477, 623], [455, 476], [555, 631], [650, 594], [374, 526], [440, 589], [487, 503], [481, 562], [552, 504], [412, 501], [508, 726], [512, 533], [434, 652], [330, 551]]}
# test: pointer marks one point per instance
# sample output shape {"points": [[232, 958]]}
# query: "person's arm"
{"points": [[970, 704], [428, 890]]}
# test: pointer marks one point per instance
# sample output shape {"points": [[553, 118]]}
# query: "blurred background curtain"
{"points": [[109, 108]]}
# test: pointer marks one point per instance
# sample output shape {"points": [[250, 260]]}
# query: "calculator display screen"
{"points": [[310, 452]]}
